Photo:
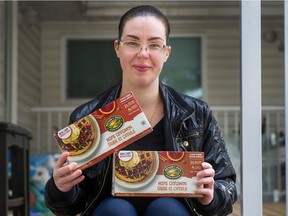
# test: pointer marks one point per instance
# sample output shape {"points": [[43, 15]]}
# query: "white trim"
{"points": [[62, 69], [286, 94], [204, 66], [14, 64], [251, 139]]}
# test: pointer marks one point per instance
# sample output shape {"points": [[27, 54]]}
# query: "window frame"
{"points": [[203, 57], [63, 77], [63, 62]]}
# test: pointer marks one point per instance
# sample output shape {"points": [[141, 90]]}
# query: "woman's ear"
{"points": [[167, 53], [116, 47]]}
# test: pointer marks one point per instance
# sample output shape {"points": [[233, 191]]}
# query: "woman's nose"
{"points": [[144, 51]]}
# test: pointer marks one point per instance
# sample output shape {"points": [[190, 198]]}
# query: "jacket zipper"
{"points": [[192, 209], [91, 203], [184, 121], [192, 135]]}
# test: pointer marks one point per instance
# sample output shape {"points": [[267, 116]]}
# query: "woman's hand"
{"points": [[65, 176], [205, 178]]}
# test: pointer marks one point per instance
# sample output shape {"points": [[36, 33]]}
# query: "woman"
{"points": [[180, 123]]}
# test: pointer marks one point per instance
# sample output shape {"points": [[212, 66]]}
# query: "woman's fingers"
{"points": [[207, 171], [66, 175], [62, 160], [65, 183], [206, 180]]}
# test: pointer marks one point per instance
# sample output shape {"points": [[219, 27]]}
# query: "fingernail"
{"points": [[74, 165]]}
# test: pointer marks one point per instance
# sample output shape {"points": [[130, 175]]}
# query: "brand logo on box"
{"points": [[114, 123], [173, 172]]}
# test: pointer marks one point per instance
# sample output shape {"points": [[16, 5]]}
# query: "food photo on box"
{"points": [[155, 173], [99, 134]]}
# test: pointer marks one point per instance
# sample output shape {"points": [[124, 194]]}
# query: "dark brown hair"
{"points": [[144, 10]]}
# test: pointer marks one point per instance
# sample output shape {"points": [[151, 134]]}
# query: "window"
{"points": [[92, 66], [183, 68]]}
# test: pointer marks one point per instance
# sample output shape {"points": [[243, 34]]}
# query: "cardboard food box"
{"points": [[155, 173], [100, 133]]}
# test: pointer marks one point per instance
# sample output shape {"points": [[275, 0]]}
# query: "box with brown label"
{"points": [[155, 173], [105, 130]]}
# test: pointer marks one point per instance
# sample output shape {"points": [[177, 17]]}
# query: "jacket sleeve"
{"points": [[225, 192], [64, 203], [75, 201]]}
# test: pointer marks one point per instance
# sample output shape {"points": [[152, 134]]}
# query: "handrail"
{"points": [[228, 118], [49, 119], [214, 108], [52, 109]]}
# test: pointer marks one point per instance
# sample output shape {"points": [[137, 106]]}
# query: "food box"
{"points": [[100, 133], [155, 173]]}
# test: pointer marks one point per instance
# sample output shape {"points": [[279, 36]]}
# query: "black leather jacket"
{"points": [[189, 126]]}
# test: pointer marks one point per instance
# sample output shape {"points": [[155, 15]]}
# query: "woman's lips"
{"points": [[142, 68]]}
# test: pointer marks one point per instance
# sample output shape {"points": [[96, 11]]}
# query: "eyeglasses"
{"points": [[135, 47]]}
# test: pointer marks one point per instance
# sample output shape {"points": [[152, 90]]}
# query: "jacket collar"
{"points": [[176, 110], [176, 107]]}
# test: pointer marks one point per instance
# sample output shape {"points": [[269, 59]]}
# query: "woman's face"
{"points": [[142, 67]]}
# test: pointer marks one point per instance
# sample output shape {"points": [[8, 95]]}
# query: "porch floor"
{"points": [[269, 209]]}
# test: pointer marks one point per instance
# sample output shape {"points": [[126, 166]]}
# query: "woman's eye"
{"points": [[155, 46], [132, 43]]}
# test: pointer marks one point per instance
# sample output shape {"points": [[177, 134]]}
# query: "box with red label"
{"points": [[100, 133], [155, 173]]}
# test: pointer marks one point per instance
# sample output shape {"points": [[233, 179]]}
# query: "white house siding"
{"points": [[221, 61], [52, 35], [221, 72], [223, 65], [273, 66], [221, 76], [220, 57], [29, 77], [221, 52], [2, 106]]}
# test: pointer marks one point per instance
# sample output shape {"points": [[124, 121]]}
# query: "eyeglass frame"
{"points": [[141, 46]]}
